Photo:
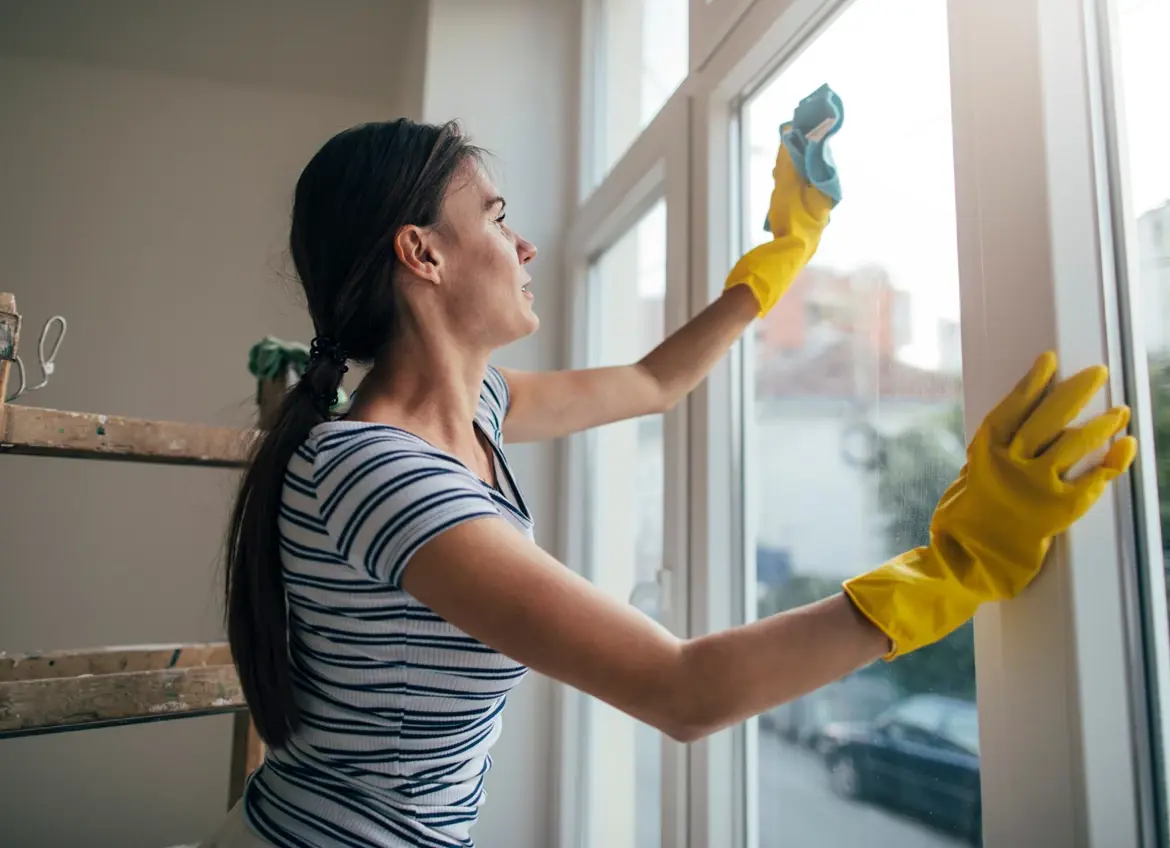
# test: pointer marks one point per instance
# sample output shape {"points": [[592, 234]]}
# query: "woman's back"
{"points": [[398, 708]]}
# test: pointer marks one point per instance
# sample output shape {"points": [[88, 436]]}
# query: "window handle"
{"points": [[652, 597]]}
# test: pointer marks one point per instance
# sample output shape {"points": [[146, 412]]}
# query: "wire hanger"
{"points": [[46, 362]]}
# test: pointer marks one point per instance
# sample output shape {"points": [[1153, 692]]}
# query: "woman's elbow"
{"points": [[656, 394], [687, 733], [686, 726], [692, 710]]}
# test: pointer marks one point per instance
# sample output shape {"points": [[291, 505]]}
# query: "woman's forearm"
{"points": [[730, 676], [687, 356]]}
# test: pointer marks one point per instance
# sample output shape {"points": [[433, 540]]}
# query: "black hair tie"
{"points": [[323, 349]]}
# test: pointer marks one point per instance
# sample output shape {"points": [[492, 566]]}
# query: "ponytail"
{"points": [[351, 200], [256, 606]]}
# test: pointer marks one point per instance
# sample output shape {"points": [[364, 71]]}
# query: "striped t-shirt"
{"points": [[398, 707]]}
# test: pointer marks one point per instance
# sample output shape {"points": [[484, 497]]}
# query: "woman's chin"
{"points": [[532, 320]]}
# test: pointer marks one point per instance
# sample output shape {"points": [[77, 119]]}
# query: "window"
{"points": [[1141, 67], [641, 60], [961, 728], [855, 430], [625, 544], [819, 447], [921, 711], [1143, 28]]}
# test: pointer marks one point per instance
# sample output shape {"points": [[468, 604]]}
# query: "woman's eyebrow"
{"points": [[492, 201]]}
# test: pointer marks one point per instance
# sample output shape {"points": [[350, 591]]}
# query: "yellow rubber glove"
{"points": [[797, 214], [992, 528]]}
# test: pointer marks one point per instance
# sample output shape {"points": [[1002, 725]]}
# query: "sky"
{"points": [[888, 59], [1144, 47]]}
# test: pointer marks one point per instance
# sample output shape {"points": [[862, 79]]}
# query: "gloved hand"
{"points": [[993, 527], [797, 213]]}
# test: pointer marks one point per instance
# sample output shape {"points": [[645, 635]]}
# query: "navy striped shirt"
{"points": [[398, 707]]}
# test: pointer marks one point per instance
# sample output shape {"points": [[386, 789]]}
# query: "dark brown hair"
{"points": [[351, 200]]}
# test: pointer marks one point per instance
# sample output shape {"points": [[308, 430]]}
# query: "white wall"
{"points": [[508, 70], [147, 161], [150, 152], [372, 50]]}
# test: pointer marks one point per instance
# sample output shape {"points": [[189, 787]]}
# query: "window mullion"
{"points": [[1053, 667], [715, 767]]}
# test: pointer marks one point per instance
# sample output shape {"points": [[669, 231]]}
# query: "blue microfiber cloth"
{"points": [[811, 156]]}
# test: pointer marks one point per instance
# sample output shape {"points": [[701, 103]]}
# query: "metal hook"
{"points": [[46, 362]]}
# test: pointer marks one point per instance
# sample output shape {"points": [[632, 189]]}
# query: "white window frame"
{"points": [[710, 22], [1066, 752], [589, 137], [723, 801], [656, 167], [1144, 586], [1074, 676]]}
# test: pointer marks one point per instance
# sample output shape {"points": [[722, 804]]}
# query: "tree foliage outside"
{"points": [[916, 467], [1160, 394]]}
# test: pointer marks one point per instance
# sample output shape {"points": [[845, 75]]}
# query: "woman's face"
{"points": [[483, 282]]}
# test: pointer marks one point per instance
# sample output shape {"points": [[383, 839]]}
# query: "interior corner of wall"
{"points": [[412, 84], [427, 58]]}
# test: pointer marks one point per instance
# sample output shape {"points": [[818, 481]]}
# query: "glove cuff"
{"points": [[761, 290], [912, 600]]}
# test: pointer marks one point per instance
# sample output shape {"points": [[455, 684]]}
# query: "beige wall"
{"points": [[147, 157], [508, 70]]}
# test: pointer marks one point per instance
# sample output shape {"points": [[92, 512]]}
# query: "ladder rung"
{"points": [[49, 432], [73, 690]]}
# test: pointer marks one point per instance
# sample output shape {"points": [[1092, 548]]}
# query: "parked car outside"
{"points": [[857, 698], [920, 755]]}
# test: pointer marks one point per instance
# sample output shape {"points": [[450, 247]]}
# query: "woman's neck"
{"points": [[431, 390]]}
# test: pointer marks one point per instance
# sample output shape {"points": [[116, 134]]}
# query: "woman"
{"points": [[384, 591]]}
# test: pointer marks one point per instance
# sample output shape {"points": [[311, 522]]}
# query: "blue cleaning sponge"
{"points": [[818, 117]]}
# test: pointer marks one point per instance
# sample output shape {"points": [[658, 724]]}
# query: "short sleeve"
{"points": [[494, 401], [383, 495]]}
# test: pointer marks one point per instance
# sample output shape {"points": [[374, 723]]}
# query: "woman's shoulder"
{"points": [[339, 433], [381, 491], [343, 443]]}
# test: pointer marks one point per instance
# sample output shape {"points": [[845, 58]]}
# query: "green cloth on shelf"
{"points": [[271, 358]]}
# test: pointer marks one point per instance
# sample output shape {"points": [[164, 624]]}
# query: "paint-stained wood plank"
{"points": [[44, 665], [76, 690], [49, 432]]}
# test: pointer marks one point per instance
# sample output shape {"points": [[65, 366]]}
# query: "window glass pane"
{"points": [[1144, 67], [641, 59], [855, 432], [961, 727], [921, 711], [626, 505]]}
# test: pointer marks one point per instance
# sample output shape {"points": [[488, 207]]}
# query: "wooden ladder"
{"points": [[60, 691]]}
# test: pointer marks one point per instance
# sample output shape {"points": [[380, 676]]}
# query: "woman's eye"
{"points": [[500, 219]]}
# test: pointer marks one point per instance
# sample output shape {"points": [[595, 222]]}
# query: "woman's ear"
{"points": [[416, 250]]}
